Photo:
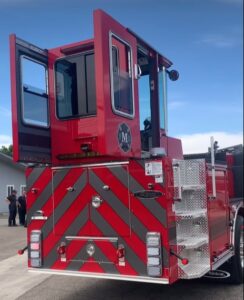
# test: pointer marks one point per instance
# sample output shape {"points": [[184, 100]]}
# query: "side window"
{"points": [[121, 77], [162, 84], [75, 86], [34, 93], [10, 188], [22, 189]]}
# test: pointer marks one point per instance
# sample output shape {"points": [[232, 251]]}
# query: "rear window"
{"points": [[121, 77], [75, 86]]}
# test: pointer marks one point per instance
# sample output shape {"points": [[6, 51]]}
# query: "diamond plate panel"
{"points": [[191, 217]]}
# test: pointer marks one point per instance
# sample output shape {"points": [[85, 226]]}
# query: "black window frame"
{"points": [[78, 116]]}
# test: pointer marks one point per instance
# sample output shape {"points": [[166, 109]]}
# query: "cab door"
{"points": [[116, 88], [30, 104]]}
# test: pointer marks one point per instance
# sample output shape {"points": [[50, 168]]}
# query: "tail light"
{"points": [[121, 255], [62, 251], [35, 249], [154, 256]]}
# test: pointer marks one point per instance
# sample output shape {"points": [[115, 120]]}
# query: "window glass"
{"points": [[145, 112], [75, 86], [144, 101], [35, 109], [121, 77], [162, 85], [22, 189], [33, 74], [10, 188], [34, 93]]}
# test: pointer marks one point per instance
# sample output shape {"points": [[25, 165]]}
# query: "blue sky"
{"points": [[202, 38]]}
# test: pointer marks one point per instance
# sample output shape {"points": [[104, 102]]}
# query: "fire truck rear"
{"points": [[110, 194]]}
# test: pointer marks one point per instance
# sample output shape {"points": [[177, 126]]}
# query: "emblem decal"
{"points": [[124, 137]]}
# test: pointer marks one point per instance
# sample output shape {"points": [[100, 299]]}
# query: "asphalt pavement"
{"points": [[17, 283]]}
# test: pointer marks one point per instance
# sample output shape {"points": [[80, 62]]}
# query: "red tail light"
{"points": [[61, 250], [121, 255], [121, 252]]}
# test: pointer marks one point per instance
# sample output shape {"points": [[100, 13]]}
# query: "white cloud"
{"points": [[5, 140], [4, 111], [199, 142], [221, 41], [175, 104]]}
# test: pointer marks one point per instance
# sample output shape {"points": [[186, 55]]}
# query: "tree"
{"points": [[7, 150]]}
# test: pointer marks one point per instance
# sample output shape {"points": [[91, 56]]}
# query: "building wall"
{"points": [[9, 175]]}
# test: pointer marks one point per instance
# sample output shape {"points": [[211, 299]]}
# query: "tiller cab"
{"points": [[109, 193]]}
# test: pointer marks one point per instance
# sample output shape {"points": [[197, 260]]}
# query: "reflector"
{"points": [[153, 261], [34, 254], [34, 237]]}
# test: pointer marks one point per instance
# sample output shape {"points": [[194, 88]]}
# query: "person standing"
{"points": [[12, 200], [21, 203]]}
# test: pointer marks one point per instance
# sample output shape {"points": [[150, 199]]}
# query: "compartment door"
{"points": [[30, 107], [110, 201], [71, 201]]}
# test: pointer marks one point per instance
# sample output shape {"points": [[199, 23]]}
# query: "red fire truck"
{"points": [[110, 194]]}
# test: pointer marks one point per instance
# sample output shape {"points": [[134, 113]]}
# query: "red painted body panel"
{"points": [[67, 136], [14, 97], [100, 131], [230, 163], [64, 210], [172, 146]]}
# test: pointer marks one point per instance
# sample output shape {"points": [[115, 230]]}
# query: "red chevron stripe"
{"points": [[107, 212], [61, 190], [138, 209], [114, 184], [58, 193], [72, 251], [65, 221], [28, 171], [127, 269], [39, 184], [118, 225], [139, 176], [91, 266], [108, 250]]}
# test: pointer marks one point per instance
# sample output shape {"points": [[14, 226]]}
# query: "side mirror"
{"points": [[173, 75]]}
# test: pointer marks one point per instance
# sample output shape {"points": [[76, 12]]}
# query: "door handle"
{"points": [[96, 201], [39, 215]]}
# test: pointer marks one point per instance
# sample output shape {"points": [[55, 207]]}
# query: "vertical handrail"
{"points": [[179, 180], [213, 166]]}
